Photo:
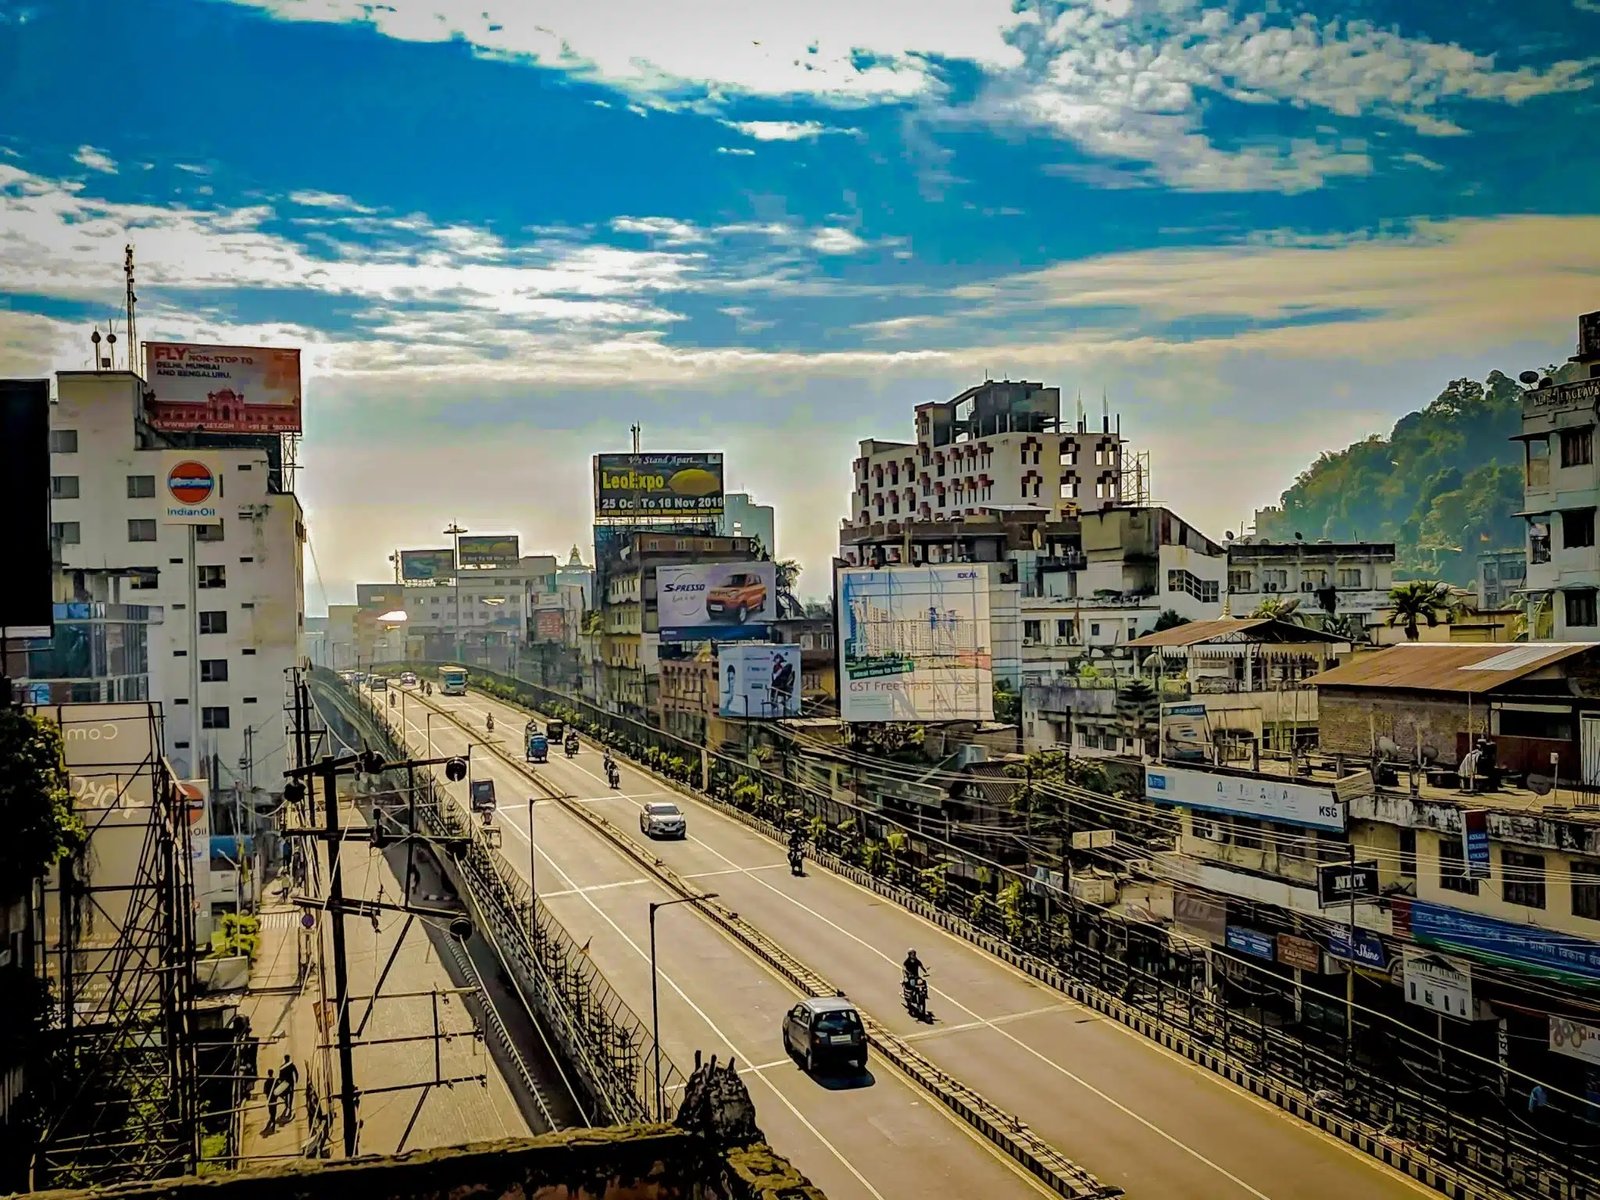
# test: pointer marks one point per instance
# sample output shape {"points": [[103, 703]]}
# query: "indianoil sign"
{"points": [[190, 488]]}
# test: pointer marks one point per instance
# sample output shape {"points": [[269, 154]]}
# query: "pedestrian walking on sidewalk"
{"points": [[288, 1077], [269, 1089]]}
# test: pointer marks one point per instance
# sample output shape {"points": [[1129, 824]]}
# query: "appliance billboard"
{"points": [[650, 485], [26, 601], [758, 680], [222, 389], [1245, 796], [707, 602], [423, 566], [914, 644], [496, 550]]}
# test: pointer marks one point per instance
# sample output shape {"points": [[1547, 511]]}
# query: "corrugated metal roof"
{"points": [[1196, 632], [1450, 666]]}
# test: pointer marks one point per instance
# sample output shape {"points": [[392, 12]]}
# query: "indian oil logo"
{"points": [[191, 482]]}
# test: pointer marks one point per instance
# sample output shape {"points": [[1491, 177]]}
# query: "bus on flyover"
{"points": [[453, 681]]}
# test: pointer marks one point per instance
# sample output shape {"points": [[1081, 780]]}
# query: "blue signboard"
{"points": [[1252, 942], [1543, 950], [1369, 951], [1475, 842]]}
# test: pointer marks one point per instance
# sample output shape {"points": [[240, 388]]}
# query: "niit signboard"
{"points": [[190, 488], [1341, 883]]}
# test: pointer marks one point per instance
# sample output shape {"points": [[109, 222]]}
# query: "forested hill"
{"points": [[1442, 486]]}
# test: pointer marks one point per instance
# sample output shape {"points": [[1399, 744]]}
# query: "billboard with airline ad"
{"points": [[222, 389], [716, 602], [759, 680], [424, 566], [914, 644]]}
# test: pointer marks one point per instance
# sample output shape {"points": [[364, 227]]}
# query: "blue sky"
{"points": [[505, 230]]}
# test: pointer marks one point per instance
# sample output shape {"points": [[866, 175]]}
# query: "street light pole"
{"points": [[655, 1006], [533, 892], [455, 531]]}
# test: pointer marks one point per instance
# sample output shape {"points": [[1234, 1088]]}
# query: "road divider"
{"points": [[1002, 1129]]}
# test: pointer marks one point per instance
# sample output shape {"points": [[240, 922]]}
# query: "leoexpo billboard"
{"points": [[657, 485], [758, 680], [914, 644], [222, 389], [716, 602]]}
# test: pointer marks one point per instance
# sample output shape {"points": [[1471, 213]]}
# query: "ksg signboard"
{"points": [[1245, 796], [653, 485]]}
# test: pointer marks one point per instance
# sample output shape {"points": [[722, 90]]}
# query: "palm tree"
{"points": [[1279, 608], [1418, 600]]}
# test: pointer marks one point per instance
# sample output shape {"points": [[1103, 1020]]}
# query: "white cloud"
{"points": [[95, 160], [667, 231], [836, 241], [315, 199], [841, 51], [785, 131], [739, 151], [1129, 82]]}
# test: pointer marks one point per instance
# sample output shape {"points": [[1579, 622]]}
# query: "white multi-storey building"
{"points": [[743, 517], [224, 712], [1562, 493], [999, 444], [1329, 579], [496, 607]]}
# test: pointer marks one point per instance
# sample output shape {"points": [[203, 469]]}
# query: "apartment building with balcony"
{"points": [[1330, 579], [1562, 494], [1000, 444]]}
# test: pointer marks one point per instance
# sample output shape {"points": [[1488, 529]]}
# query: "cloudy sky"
{"points": [[503, 231]]}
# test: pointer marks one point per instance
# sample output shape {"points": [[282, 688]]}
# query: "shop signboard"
{"points": [[1300, 953], [1252, 942], [1341, 883], [1260, 797], [1437, 983]]}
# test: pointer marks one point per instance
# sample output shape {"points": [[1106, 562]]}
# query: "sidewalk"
{"points": [[291, 1014]]}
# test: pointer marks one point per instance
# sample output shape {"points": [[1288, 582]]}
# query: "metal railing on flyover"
{"points": [[606, 1043], [1446, 1111]]}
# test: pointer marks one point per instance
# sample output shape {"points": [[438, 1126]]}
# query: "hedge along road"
{"points": [[873, 1136], [1134, 1114]]}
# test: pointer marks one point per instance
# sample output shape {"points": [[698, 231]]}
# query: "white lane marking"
{"points": [[593, 887], [1048, 1061], [911, 1086], [733, 871], [712, 1025]]}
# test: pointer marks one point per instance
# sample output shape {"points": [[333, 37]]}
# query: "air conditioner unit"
{"points": [[1028, 641], [1268, 587], [1307, 586]]}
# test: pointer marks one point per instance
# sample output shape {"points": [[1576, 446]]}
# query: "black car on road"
{"points": [[824, 1030]]}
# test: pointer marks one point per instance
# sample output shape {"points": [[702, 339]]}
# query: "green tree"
{"points": [[1279, 608], [1442, 485], [1007, 703], [1415, 601], [35, 803], [1169, 619]]}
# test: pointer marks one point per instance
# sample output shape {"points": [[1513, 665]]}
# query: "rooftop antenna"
{"points": [[95, 338], [1105, 412], [132, 301], [1082, 428], [636, 430]]}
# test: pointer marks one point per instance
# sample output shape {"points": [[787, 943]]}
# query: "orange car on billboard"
{"points": [[744, 593]]}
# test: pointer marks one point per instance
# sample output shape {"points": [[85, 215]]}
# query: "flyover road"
{"points": [[867, 1137], [1136, 1115]]}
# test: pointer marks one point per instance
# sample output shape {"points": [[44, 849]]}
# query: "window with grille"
{"points": [[1523, 878], [1453, 868]]}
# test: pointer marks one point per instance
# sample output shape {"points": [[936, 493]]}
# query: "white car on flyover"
{"points": [[662, 818]]}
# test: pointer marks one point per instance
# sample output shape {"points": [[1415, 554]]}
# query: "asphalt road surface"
{"points": [[1136, 1115]]}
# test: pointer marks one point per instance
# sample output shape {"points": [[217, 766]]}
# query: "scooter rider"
{"points": [[797, 850], [613, 776], [489, 722]]}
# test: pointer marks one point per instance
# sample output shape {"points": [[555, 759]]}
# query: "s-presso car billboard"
{"points": [[716, 602]]}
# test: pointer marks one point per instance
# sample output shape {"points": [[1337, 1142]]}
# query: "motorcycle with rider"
{"points": [[914, 985]]}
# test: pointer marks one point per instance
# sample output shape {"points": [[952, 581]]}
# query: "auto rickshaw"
{"points": [[538, 745]]}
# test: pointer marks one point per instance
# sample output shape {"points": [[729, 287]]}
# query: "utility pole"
{"points": [[455, 531], [341, 972]]}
